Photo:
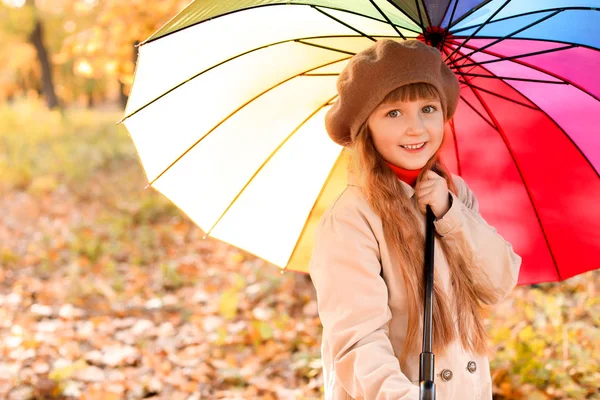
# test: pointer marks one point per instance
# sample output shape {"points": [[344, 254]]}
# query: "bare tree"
{"points": [[36, 38]]}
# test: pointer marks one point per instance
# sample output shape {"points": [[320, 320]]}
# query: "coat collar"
{"points": [[352, 180]]}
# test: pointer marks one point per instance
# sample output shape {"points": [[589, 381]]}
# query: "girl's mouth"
{"points": [[414, 149]]}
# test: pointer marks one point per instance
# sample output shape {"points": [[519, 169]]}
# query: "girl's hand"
{"points": [[433, 190]]}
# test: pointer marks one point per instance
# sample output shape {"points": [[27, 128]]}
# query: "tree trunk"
{"points": [[37, 39], [123, 96], [90, 100]]}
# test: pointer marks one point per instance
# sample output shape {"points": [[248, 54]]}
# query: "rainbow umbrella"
{"points": [[226, 113]]}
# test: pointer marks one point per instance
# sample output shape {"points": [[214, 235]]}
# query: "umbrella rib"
{"points": [[387, 19], [238, 109], [470, 12], [419, 14], [530, 39], [510, 58], [425, 12], [528, 13], [493, 75], [267, 161], [469, 104], [323, 74], [450, 21], [478, 29], [535, 210], [446, 12], [298, 40], [513, 78], [320, 46], [471, 85], [343, 23], [509, 35], [397, 7], [456, 66], [492, 124], [526, 64], [452, 65], [329, 176], [478, 113]]}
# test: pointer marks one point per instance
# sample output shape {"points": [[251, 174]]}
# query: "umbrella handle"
{"points": [[427, 361], [427, 390]]}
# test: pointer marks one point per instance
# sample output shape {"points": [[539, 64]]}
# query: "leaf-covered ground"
{"points": [[108, 298], [107, 291]]}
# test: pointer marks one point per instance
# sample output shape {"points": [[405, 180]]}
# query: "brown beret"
{"points": [[374, 72]]}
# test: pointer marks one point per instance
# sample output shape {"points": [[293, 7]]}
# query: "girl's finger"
{"points": [[421, 195], [425, 199], [423, 204], [428, 183], [432, 175], [428, 188]]}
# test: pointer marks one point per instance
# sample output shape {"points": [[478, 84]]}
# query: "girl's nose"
{"points": [[416, 125]]}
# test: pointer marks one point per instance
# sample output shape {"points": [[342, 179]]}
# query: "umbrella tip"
{"points": [[147, 186]]}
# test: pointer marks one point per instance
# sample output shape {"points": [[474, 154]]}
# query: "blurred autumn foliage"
{"points": [[81, 51], [108, 291]]}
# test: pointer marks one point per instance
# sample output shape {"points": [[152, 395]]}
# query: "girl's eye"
{"points": [[431, 108], [394, 113]]}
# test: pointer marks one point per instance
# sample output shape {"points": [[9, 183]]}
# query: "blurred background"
{"points": [[108, 291]]}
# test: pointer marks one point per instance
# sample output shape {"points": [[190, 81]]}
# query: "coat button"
{"points": [[472, 367], [446, 375]]}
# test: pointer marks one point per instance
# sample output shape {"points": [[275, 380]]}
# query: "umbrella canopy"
{"points": [[227, 106]]}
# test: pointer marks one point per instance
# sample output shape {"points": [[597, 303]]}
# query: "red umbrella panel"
{"points": [[528, 117]]}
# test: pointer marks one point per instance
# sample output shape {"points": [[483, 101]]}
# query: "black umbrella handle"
{"points": [[427, 361]]}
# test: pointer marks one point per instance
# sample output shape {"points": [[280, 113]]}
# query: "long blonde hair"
{"points": [[402, 229]]}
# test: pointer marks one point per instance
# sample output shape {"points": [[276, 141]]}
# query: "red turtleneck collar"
{"points": [[407, 175]]}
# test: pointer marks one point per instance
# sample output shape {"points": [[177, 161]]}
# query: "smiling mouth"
{"points": [[414, 147]]}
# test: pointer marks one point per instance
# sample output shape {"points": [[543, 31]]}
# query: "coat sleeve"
{"points": [[353, 308], [497, 265]]}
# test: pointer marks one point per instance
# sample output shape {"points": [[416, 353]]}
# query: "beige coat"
{"points": [[364, 316]]}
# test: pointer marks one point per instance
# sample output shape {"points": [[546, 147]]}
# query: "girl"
{"points": [[395, 99]]}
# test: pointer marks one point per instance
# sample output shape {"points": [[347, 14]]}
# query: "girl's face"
{"points": [[394, 125]]}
